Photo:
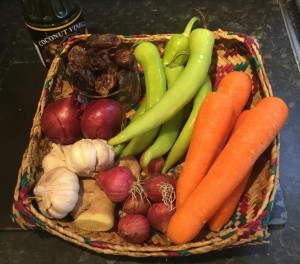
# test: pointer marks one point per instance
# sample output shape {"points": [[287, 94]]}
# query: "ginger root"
{"points": [[93, 211], [131, 163]]}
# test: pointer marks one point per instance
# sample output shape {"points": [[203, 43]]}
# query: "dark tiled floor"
{"points": [[21, 79]]}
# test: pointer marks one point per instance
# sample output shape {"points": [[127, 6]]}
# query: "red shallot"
{"points": [[159, 187], [134, 228], [154, 166], [136, 204], [159, 215], [117, 183]]}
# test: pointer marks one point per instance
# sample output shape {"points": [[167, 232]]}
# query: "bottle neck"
{"points": [[49, 13]]}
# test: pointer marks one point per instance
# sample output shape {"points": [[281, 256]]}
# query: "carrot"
{"points": [[211, 129], [239, 121], [208, 139], [238, 86], [222, 216], [261, 125]]}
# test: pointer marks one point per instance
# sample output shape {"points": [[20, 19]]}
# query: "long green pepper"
{"points": [[168, 132], [184, 89], [181, 145], [174, 59], [177, 49], [147, 55], [120, 147]]}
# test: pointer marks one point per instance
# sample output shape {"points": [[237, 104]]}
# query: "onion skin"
{"points": [[102, 119], [134, 228], [116, 183], [159, 216], [60, 121], [154, 182], [136, 205]]}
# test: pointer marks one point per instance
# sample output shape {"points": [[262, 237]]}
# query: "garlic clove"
{"points": [[39, 191], [105, 155], [44, 204], [55, 158], [69, 200], [55, 213], [81, 157]]}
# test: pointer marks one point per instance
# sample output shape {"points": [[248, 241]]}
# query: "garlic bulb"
{"points": [[105, 155], [88, 156], [81, 157], [57, 192], [56, 158]]}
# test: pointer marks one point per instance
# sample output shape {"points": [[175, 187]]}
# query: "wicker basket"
{"points": [[248, 225]]}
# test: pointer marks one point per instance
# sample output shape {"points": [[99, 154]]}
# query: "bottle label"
{"points": [[48, 41]]}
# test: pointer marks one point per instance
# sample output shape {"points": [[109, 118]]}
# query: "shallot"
{"points": [[154, 166], [159, 187], [136, 204], [117, 183], [134, 228], [159, 215]]}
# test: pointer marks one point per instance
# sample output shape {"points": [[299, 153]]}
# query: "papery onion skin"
{"points": [[116, 183], [102, 118], [159, 216], [154, 182], [134, 228], [60, 121]]}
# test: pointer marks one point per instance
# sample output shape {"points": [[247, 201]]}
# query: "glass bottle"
{"points": [[50, 22]]}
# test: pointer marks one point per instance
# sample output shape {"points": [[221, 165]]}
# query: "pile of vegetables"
{"points": [[101, 163]]}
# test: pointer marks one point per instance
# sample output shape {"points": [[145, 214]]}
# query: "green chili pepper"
{"points": [[177, 49], [181, 145], [147, 55], [175, 57], [164, 141], [169, 130], [201, 44], [172, 74], [120, 147]]}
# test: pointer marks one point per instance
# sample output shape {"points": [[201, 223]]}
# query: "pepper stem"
{"points": [[172, 64], [187, 31]]}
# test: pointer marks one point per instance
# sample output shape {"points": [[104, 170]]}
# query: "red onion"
{"points": [[102, 118], [60, 121], [136, 204], [159, 216], [134, 228], [156, 184], [116, 183]]}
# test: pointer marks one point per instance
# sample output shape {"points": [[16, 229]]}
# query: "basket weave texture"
{"points": [[248, 225]]}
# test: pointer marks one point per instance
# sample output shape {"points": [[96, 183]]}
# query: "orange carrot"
{"points": [[238, 85], [239, 121], [222, 216], [211, 129], [261, 125], [208, 137]]}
